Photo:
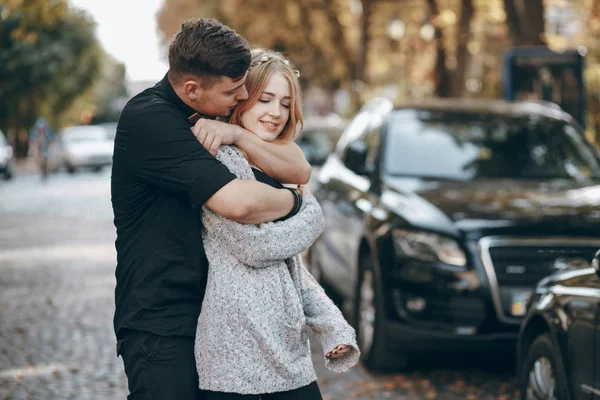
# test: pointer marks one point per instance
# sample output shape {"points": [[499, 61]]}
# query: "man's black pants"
{"points": [[159, 367]]}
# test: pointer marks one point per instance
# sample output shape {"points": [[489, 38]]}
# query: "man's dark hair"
{"points": [[207, 49]]}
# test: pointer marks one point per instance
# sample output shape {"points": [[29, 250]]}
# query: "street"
{"points": [[57, 263]]}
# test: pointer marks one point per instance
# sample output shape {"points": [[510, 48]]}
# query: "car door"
{"points": [[596, 352], [337, 187], [582, 298]]}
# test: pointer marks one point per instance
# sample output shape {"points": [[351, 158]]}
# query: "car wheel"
{"points": [[71, 169], [369, 322], [8, 172], [542, 377]]}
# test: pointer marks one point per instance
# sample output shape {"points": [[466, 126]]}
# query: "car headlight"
{"points": [[427, 246]]}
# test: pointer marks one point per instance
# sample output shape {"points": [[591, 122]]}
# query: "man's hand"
{"points": [[212, 134]]}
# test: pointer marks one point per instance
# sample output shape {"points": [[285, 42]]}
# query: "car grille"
{"points": [[453, 310], [527, 265], [516, 265]]}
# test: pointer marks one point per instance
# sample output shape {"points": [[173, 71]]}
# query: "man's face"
{"points": [[222, 98]]}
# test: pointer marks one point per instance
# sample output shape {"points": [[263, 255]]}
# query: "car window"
{"points": [[463, 146]]}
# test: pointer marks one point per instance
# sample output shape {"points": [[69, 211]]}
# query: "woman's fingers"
{"points": [[339, 351]]}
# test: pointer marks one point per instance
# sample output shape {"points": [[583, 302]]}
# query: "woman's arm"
{"points": [[284, 162], [327, 322], [262, 245]]}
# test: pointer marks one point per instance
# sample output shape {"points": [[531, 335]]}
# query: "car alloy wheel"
{"points": [[542, 381], [366, 323]]}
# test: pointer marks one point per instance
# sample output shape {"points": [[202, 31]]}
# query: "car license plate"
{"points": [[519, 300]]}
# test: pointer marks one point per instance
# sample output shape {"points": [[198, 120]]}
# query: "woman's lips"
{"points": [[272, 126]]}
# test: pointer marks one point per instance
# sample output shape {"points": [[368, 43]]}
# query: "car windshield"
{"points": [[465, 146], [85, 134]]}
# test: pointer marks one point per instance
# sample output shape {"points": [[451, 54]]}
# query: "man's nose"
{"points": [[243, 95]]}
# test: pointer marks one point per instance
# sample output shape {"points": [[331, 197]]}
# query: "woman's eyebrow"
{"points": [[273, 94]]}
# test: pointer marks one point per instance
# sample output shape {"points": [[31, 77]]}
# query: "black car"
{"points": [[559, 343], [442, 216]]}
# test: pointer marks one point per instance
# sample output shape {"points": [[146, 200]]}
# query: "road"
{"points": [[57, 263]]}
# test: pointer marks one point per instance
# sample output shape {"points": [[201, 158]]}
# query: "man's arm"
{"points": [[173, 160], [251, 202], [263, 245], [284, 162]]}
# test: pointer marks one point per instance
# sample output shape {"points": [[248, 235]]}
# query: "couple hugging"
{"points": [[204, 223]]}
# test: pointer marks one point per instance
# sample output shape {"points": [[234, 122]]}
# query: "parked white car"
{"points": [[83, 146], [6, 158]]}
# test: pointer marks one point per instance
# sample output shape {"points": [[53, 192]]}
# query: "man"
{"points": [[40, 139], [161, 177]]}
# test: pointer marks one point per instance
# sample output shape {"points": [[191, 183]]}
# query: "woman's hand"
{"points": [[339, 351]]}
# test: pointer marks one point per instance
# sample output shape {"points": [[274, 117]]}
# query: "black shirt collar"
{"points": [[165, 88]]}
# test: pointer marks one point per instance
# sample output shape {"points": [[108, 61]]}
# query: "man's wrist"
{"points": [[297, 204], [239, 134]]}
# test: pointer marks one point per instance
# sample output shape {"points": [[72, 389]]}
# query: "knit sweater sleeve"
{"points": [[327, 322], [263, 245]]}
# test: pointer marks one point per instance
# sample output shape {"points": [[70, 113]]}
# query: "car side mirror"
{"points": [[356, 157], [596, 263]]}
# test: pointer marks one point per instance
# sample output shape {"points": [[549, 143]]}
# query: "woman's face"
{"points": [[267, 118]]}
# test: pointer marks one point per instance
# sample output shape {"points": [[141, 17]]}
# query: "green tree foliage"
{"points": [[49, 56]]}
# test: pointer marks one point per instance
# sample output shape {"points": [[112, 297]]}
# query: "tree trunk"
{"points": [[441, 73], [462, 53], [533, 21], [525, 20], [345, 52], [365, 39]]}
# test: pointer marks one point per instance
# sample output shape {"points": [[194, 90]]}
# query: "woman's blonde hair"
{"points": [[264, 65]]}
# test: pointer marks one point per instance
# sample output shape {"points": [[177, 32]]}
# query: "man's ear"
{"points": [[192, 89]]}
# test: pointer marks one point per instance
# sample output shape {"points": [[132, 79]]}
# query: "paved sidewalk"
{"points": [[56, 304]]}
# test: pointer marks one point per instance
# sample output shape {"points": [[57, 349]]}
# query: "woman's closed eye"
{"points": [[266, 101]]}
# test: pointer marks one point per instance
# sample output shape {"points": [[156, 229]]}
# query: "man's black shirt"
{"points": [[161, 177]]}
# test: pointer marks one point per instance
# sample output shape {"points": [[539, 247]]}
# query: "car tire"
{"points": [[8, 173], [369, 322], [542, 376]]}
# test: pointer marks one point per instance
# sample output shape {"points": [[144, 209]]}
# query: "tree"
{"points": [[50, 56], [326, 39], [526, 23]]}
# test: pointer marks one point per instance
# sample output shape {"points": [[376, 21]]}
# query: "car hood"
{"points": [[502, 201]]}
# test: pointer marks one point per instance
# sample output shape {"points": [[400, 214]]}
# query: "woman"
{"points": [[251, 340]]}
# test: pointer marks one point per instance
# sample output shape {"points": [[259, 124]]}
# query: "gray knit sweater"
{"points": [[251, 336]]}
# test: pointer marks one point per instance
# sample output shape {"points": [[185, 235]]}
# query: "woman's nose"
{"points": [[274, 110]]}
